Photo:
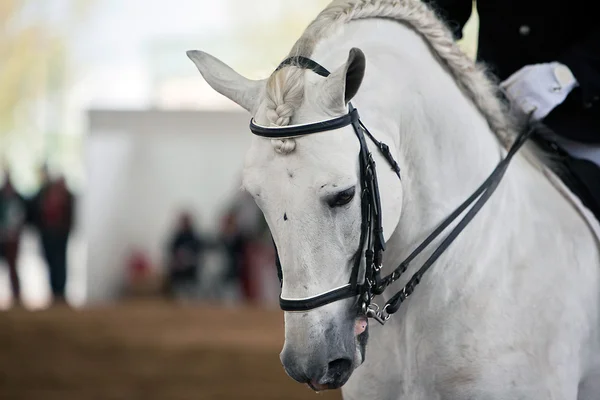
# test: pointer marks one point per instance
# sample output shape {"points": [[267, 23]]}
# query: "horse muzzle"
{"points": [[319, 374]]}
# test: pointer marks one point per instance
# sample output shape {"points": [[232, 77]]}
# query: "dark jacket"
{"points": [[184, 252], [515, 33], [36, 212], [7, 230]]}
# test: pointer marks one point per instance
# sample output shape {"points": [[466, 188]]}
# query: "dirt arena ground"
{"points": [[145, 350]]}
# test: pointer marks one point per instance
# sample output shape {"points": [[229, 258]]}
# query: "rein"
{"points": [[372, 241]]}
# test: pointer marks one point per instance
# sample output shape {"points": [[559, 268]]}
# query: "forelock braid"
{"points": [[285, 92]]}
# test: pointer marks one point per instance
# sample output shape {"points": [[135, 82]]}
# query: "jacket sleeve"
{"points": [[455, 13], [578, 117], [583, 59]]}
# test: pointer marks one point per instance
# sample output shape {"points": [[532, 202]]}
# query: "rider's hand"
{"points": [[538, 88]]}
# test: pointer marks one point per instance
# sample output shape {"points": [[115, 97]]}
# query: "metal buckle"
{"points": [[376, 267], [379, 316]]}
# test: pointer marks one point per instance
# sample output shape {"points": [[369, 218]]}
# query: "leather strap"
{"points": [[320, 300], [291, 131], [306, 63]]}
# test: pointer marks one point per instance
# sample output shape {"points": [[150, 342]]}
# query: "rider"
{"points": [[547, 57]]}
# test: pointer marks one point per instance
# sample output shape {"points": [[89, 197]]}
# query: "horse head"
{"points": [[310, 192]]}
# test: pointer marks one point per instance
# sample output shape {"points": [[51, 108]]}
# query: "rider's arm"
{"points": [[583, 59]]}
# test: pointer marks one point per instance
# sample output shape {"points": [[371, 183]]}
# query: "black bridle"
{"points": [[372, 241]]}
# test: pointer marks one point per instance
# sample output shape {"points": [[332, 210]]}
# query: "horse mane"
{"points": [[285, 87]]}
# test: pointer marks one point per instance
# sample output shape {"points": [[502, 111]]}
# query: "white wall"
{"points": [[142, 168]]}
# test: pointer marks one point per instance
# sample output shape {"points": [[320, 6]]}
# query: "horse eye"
{"points": [[342, 198]]}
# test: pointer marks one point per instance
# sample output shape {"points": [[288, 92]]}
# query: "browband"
{"points": [[290, 131]]}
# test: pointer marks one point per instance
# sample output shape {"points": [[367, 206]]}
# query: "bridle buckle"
{"points": [[378, 315]]}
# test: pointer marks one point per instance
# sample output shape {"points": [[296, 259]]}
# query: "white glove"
{"points": [[538, 88]]}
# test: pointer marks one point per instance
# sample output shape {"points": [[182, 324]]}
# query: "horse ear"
{"points": [[343, 84], [226, 81], [355, 72]]}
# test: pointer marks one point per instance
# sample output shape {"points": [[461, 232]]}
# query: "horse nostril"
{"points": [[336, 369]]}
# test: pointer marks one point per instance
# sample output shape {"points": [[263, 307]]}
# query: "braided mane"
{"points": [[285, 87]]}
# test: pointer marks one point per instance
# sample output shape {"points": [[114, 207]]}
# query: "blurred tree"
{"points": [[26, 51], [33, 63]]}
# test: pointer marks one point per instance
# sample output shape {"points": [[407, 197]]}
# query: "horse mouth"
{"points": [[362, 337], [317, 388], [321, 387]]}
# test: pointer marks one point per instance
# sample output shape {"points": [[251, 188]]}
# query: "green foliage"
{"points": [[33, 66]]}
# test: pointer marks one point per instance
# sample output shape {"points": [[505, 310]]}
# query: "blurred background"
{"points": [[131, 265]]}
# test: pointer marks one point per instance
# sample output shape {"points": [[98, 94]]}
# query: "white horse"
{"points": [[510, 310]]}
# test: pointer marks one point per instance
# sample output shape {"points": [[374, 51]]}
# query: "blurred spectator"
{"points": [[52, 214], [233, 243], [13, 213], [143, 280], [184, 252], [246, 235]]}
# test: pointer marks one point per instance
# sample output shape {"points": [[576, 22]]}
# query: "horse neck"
{"points": [[448, 150], [443, 143]]}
